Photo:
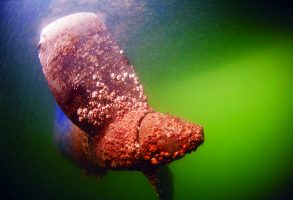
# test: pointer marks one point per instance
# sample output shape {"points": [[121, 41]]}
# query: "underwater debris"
{"points": [[113, 127]]}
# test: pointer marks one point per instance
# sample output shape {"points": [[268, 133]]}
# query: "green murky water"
{"points": [[210, 62]]}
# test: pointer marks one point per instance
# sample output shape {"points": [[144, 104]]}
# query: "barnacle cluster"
{"points": [[98, 89]]}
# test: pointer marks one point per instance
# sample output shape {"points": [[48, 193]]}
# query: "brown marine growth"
{"points": [[96, 87]]}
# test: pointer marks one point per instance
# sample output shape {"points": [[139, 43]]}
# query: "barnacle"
{"points": [[112, 127]]}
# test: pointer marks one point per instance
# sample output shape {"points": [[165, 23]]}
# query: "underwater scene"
{"points": [[224, 68]]}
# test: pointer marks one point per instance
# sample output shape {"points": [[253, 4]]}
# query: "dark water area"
{"points": [[227, 65]]}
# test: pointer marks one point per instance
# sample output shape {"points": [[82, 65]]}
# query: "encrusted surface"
{"points": [[164, 138], [118, 147], [95, 85], [87, 72]]}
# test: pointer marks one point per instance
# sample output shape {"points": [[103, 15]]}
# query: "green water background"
{"points": [[226, 65]]}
